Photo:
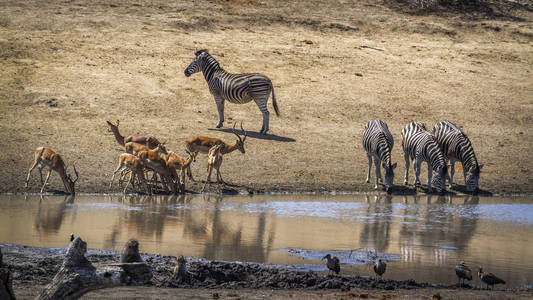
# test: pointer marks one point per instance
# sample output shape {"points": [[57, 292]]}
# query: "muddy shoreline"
{"points": [[35, 267]]}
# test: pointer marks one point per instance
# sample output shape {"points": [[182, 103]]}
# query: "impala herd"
{"points": [[143, 153]]}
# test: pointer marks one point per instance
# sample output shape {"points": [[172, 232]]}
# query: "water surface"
{"points": [[425, 236]]}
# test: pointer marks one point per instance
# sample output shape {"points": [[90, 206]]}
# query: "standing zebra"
{"points": [[378, 143], [420, 145], [236, 88], [456, 146]]}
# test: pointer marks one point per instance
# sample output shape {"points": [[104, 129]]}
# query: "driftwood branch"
{"points": [[373, 48], [78, 276]]}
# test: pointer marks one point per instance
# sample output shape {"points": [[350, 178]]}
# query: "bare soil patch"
{"points": [[67, 67]]}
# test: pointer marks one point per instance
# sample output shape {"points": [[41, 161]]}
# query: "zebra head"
{"points": [[240, 142], [196, 65], [472, 178], [439, 178], [389, 175]]}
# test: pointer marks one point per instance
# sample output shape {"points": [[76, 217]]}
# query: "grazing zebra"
{"points": [[378, 143], [456, 146], [420, 145], [236, 88]]}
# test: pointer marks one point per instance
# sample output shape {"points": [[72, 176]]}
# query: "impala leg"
{"points": [[29, 173], [369, 157], [220, 107], [189, 173], [219, 177], [41, 173], [46, 180], [128, 183], [208, 181]]}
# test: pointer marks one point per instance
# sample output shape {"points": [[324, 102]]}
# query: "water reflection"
{"points": [[429, 233]]}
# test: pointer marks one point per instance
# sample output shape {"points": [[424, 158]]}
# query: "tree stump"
{"points": [[6, 282], [78, 276]]}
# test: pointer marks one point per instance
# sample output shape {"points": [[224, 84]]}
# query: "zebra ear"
{"points": [[394, 165], [480, 166]]}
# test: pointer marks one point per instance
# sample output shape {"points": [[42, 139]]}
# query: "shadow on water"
{"points": [[257, 135], [49, 217]]}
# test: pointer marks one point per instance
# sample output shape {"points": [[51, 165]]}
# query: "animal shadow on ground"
{"points": [[257, 135], [402, 190], [462, 189]]}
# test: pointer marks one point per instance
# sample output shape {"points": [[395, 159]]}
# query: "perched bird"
{"points": [[333, 263], [380, 267], [71, 237], [463, 272], [180, 270], [489, 278]]}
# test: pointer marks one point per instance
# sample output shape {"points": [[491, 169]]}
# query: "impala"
{"points": [[45, 157], [134, 148], [152, 161], [203, 144], [147, 140], [134, 164], [214, 160], [178, 163]]}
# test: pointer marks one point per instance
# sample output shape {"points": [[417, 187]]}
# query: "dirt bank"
{"points": [[67, 67], [35, 267]]}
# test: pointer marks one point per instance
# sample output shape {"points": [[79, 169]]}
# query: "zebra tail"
{"points": [[274, 103]]}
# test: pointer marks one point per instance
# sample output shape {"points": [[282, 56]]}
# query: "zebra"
{"points": [[456, 146], [378, 143], [420, 145], [236, 88]]}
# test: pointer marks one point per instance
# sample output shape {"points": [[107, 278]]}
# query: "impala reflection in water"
{"points": [[426, 235]]}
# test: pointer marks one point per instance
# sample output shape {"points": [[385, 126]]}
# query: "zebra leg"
{"points": [[378, 171], [416, 166], [430, 174], [406, 157], [220, 107], [369, 167], [262, 104], [452, 172], [377, 162]]}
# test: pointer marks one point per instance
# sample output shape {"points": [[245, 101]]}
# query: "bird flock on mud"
{"points": [[145, 153], [462, 271]]}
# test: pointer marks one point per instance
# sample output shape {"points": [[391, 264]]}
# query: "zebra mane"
{"points": [[201, 51]]}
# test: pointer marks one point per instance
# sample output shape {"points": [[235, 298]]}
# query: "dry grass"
{"points": [[125, 60]]}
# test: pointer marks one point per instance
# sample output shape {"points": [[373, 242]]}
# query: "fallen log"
{"points": [[78, 276]]}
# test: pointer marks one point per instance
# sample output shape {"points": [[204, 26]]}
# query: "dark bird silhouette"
{"points": [[380, 267], [333, 263], [71, 237], [463, 272], [489, 278]]}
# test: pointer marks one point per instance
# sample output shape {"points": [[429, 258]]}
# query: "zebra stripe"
{"points": [[236, 88], [378, 143], [421, 146], [456, 146]]}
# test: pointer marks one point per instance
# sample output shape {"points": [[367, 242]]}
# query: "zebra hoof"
{"points": [[219, 125]]}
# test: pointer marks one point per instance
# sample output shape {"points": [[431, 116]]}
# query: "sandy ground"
{"points": [[68, 66]]}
